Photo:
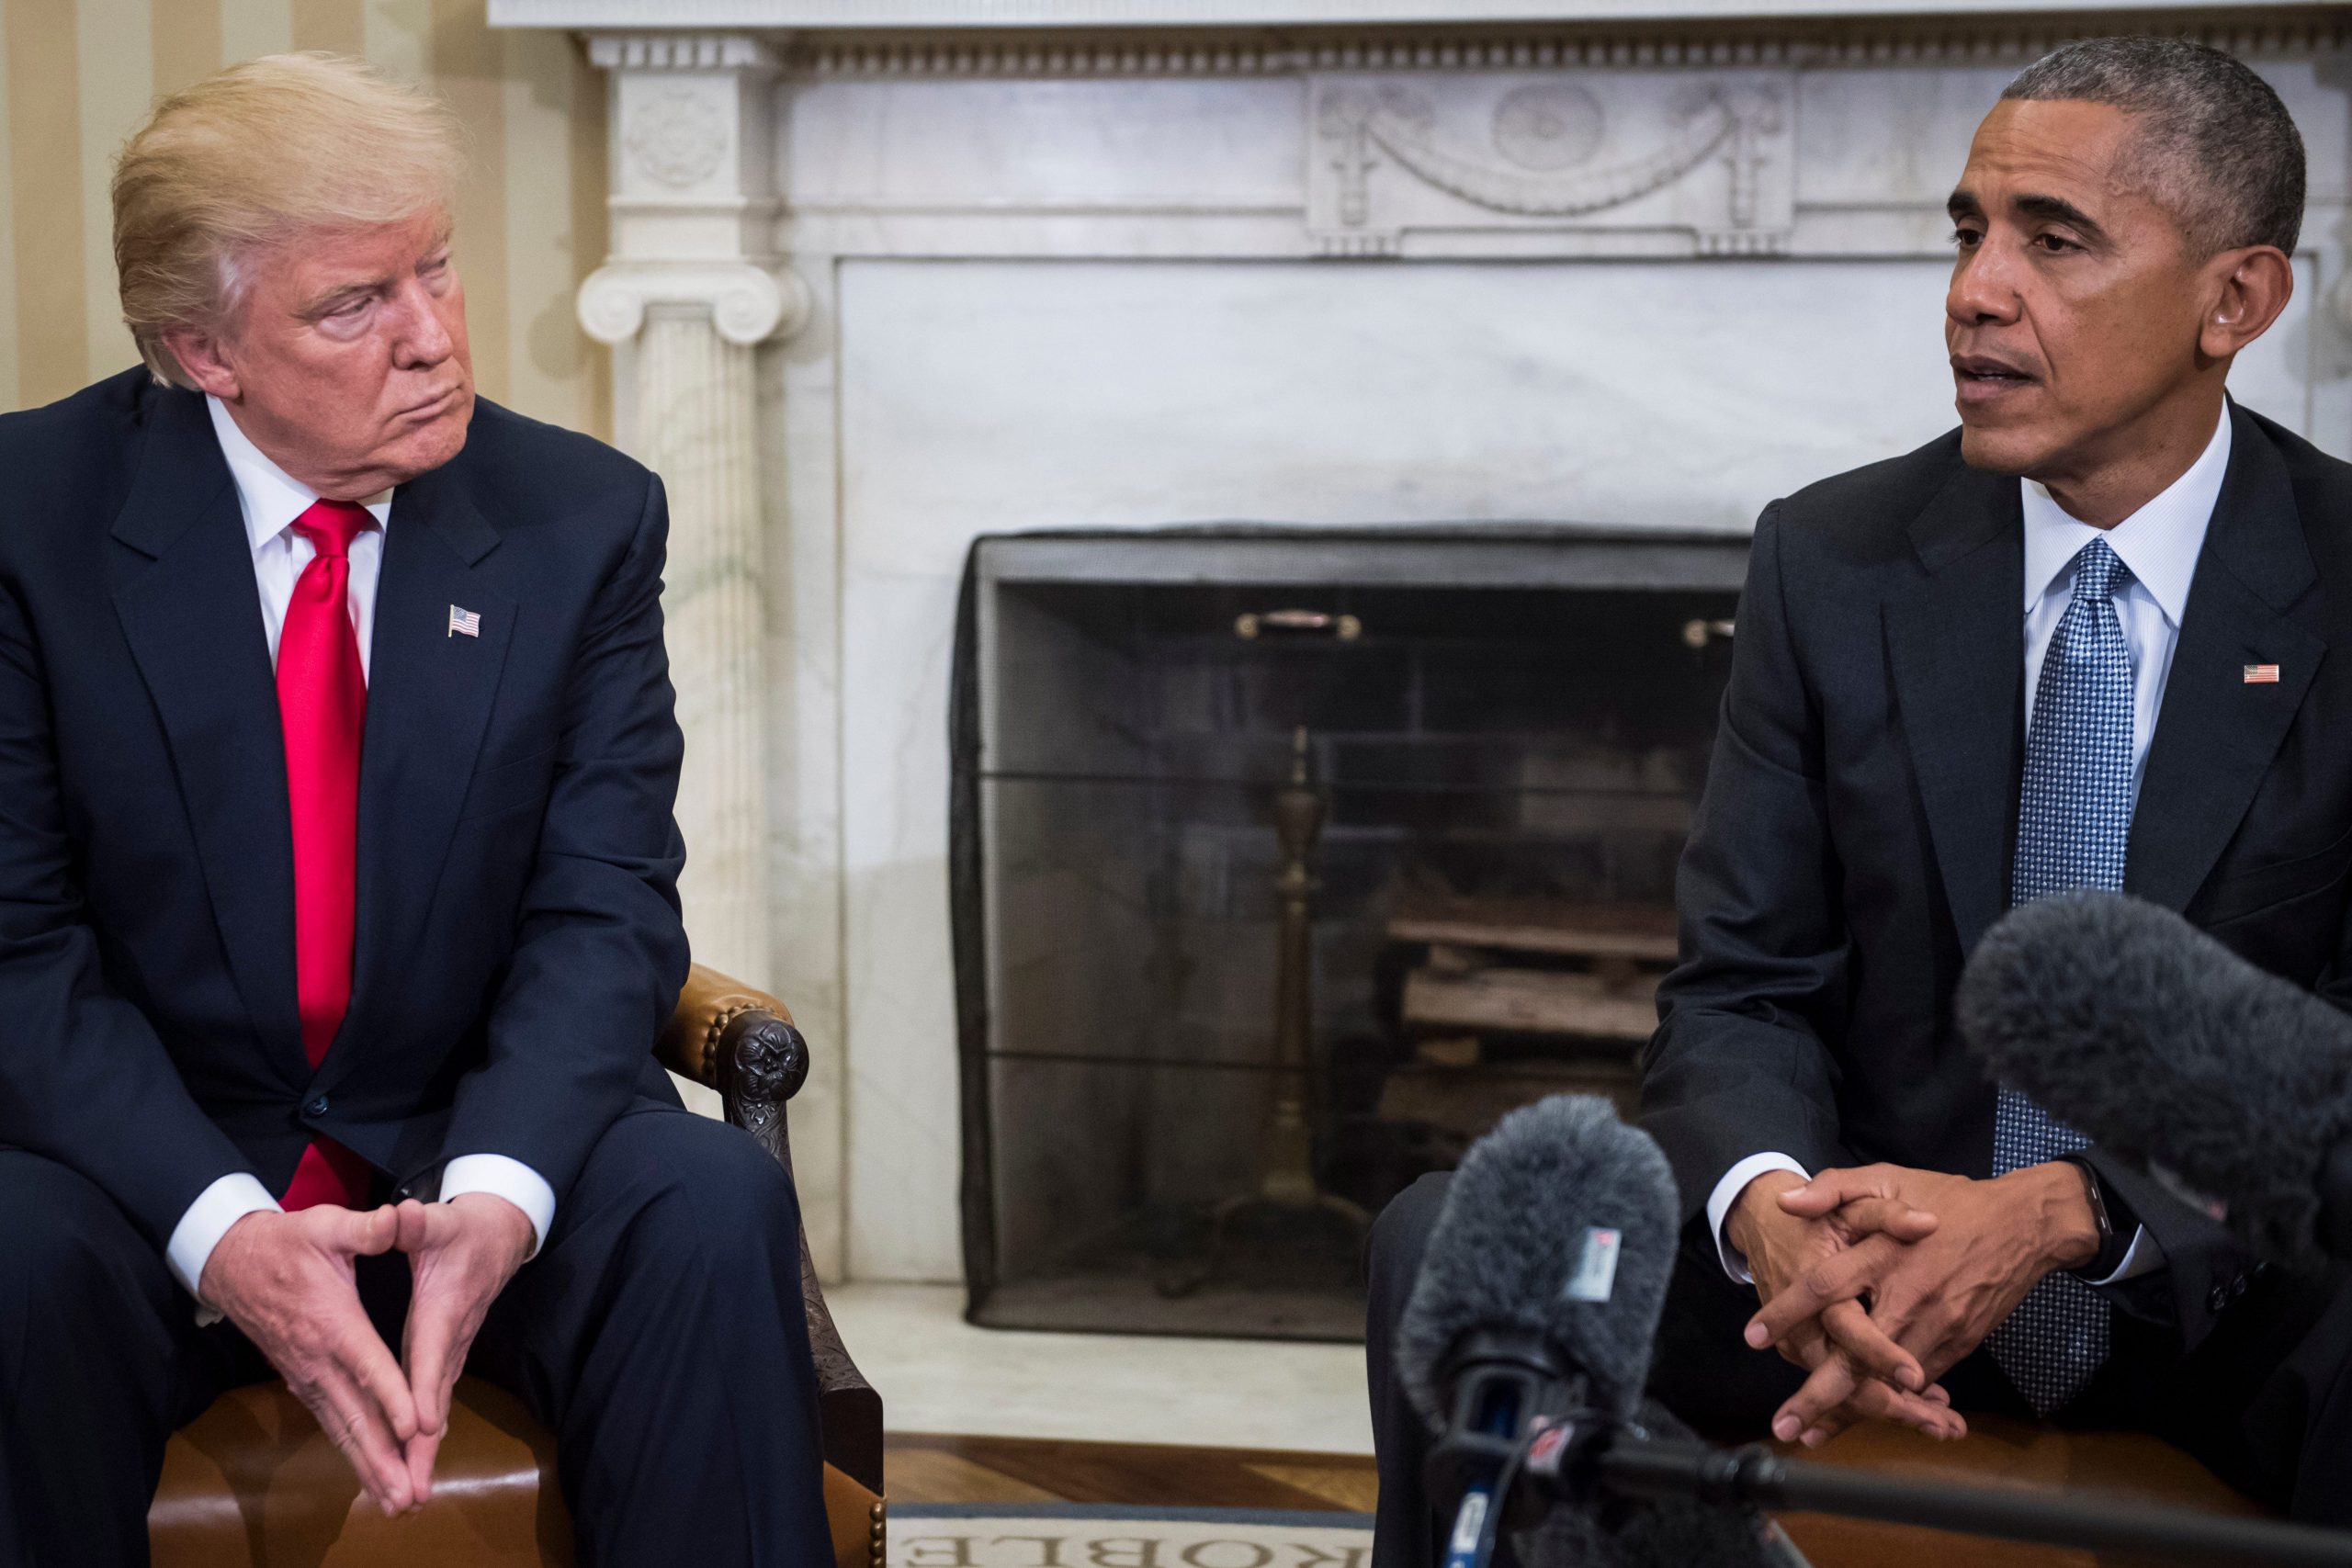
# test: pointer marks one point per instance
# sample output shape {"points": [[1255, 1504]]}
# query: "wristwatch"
{"points": [[2111, 1247]]}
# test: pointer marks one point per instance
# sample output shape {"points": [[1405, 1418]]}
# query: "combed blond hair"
{"points": [[252, 156]]}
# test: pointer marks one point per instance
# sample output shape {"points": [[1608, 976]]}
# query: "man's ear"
{"points": [[2253, 285], [201, 357]]}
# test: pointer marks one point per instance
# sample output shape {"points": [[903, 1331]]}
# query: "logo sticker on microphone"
{"points": [[1469, 1524], [1595, 1272]]}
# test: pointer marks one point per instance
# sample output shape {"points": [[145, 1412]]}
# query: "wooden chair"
{"points": [[253, 1483]]}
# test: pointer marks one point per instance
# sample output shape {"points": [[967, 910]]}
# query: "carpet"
{"points": [[1100, 1535]]}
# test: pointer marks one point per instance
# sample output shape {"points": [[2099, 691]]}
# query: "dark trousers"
{"points": [[659, 1334], [2266, 1401]]}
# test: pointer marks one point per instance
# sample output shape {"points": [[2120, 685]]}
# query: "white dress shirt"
{"points": [[2160, 544], [271, 500]]}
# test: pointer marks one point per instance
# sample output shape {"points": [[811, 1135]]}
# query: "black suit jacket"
{"points": [[518, 939], [1855, 837]]}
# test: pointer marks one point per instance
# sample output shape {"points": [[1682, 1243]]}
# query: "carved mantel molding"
{"points": [[1599, 39], [1185, 38], [1706, 154], [681, 51], [1673, 130]]}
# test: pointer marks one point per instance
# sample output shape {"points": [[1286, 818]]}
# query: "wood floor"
{"points": [[1018, 1470], [1012, 1470]]}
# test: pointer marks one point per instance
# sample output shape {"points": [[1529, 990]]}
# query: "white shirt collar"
{"points": [[2160, 542], [271, 498]]}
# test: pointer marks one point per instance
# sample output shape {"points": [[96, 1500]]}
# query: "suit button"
{"points": [[2218, 1297], [317, 1107], [2237, 1287]]}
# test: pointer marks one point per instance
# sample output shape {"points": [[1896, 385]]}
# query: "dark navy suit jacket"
{"points": [[518, 943], [1861, 810]]}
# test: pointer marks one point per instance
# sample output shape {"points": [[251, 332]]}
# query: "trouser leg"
{"points": [[2311, 1391], [100, 1358], [661, 1333], [1406, 1532], [2265, 1399], [1699, 1367]]}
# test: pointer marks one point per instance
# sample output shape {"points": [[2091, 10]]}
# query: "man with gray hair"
{"points": [[313, 1047], [2080, 642]]}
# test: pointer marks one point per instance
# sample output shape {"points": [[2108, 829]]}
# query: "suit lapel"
{"points": [[2216, 734], [191, 613], [429, 698], [1952, 643]]}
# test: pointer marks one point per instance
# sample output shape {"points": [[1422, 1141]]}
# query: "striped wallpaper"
{"points": [[77, 76]]}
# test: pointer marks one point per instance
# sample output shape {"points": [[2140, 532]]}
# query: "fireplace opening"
{"points": [[1287, 861]]}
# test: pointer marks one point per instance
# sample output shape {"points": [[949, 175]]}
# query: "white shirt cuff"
{"points": [[507, 1178], [1727, 1192], [207, 1219], [2144, 1256]]}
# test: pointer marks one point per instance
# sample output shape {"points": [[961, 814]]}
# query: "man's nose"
{"points": [[423, 338], [1982, 291]]}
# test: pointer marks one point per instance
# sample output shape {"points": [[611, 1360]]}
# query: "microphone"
{"points": [[2123, 1020], [1538, 1300], [1528, 1336], [1558, 1231]]}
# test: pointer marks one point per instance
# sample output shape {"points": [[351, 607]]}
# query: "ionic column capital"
{"points": [[747, 304]]}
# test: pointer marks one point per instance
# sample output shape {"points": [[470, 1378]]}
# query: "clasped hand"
{"points": [[289, 1282], [1879, 1279]]}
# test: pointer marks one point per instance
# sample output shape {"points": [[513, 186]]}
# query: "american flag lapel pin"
{"points": [[2262, 674], [467, 623]]}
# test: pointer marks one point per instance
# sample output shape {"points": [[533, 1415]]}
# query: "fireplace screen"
{"points": [[1287, 861]]}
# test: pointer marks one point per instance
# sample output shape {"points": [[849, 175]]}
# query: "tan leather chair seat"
{"points": [[253, 1482]]}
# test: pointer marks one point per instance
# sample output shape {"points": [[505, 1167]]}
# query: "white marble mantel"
{"points": [[945, 277]]}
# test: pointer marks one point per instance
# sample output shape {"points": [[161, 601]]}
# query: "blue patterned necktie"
{"points": [[2074, 825]]}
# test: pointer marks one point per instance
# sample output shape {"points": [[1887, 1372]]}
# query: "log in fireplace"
{"points": [[1286, 861]]}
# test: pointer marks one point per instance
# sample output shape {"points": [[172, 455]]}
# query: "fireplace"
{"points": [[878, 285], [1462, 762]]}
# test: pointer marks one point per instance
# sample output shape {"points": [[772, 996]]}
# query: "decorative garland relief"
{"points": [[1545, 137]]}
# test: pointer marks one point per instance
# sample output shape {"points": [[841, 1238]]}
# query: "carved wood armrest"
{"points": [[742, 1044], [708, 1008]]}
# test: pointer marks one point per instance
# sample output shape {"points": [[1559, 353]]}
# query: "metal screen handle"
{"points": [[1347, 629]]}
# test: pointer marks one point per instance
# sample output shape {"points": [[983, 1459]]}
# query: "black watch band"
{"points": [[2112, 1246]]}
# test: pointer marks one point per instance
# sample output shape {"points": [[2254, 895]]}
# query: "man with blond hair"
{"points": [[312, 1046]]}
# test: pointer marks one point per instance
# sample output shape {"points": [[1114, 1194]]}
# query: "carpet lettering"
{"points": [[1009, 1543]]}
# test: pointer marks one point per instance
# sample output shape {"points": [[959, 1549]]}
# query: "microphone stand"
{"points": [[1590, 1452], [1502, 1385]]}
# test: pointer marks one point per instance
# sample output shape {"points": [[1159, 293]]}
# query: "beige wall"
{"points": [[77, 76]]}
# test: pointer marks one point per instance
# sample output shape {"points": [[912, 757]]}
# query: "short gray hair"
{"points": [[2214, 143]]}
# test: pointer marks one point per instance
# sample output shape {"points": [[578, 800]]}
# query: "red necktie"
{"points": [[323, 707]]}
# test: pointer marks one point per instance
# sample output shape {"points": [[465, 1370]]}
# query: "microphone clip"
{"points": [[1503, 1388]]}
